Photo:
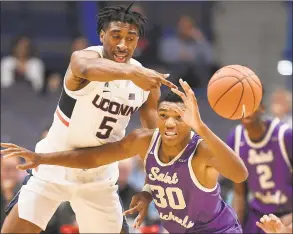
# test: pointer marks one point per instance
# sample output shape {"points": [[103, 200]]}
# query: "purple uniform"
{"points": [[184, 205], [270, 170]]}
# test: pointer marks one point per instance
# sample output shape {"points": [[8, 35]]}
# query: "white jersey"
{"points": [[97, 114]]}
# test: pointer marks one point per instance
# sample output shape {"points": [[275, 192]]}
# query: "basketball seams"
{"points": [[240, 99], [251, 77], [221, 77], [219, 98], [255, 82], [246, 74], [252, 90]]}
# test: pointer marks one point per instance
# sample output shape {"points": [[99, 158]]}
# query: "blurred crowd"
{"points": [[30, 90]]}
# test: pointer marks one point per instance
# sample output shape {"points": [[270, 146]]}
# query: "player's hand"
{"points": [[271, 224], [139, 203], [148, 79], [190, 115], [31, 159]]}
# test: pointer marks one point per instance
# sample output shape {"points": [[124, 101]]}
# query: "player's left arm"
{"points": [[213, 150], [288, 145], [135, 143], [148, 111]]}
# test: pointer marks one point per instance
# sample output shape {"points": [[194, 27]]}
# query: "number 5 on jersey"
{"points": [[106, 128], [164, 197]]}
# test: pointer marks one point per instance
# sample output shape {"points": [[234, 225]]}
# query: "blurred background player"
{"points": [[265, 145], [281, 105], [103, 87]]}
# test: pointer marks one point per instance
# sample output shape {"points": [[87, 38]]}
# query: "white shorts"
{"points": [[98, 209]]}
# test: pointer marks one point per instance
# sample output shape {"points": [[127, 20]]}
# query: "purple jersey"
{"points": [[184, 205], [269, 164]]}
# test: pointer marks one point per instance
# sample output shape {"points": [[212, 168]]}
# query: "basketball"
{"points": [[234, 92]]}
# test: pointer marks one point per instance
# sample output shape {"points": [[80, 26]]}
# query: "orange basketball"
{"points": [[234, 92]]}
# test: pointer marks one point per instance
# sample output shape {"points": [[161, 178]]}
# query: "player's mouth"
{"points": [[120, 57], [170, 135]]}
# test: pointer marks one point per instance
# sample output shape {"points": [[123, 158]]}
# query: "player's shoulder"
{"points": [[91, 52], [285, 128], [98, 49], [139, 139], [234, 130], [135, 62]]}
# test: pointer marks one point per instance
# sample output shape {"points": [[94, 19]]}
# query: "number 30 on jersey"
{"points": [[166, 197]]}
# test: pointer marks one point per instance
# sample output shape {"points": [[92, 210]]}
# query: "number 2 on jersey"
{"points": [[105, 128], [165, 196], [265, 175]]}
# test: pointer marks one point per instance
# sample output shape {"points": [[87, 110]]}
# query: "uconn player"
{"points": [[103, 87], [265, 146], [182, 167]]}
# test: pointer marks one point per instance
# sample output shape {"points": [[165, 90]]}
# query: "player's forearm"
{"points": [[100, 69], [224, 159], [87, 157], [106, 70], [148, 118], [238, 204], [289, 228]]}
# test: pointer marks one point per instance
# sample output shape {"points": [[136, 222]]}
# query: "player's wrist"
{"points": [[132, 72], [147, 188], [41, 158], [200, 128]]}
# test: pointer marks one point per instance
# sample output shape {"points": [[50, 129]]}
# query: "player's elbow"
{"points": [[241, 175], [78, 65]]}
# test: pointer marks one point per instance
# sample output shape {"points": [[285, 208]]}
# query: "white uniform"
{"points": [[97, 114]]}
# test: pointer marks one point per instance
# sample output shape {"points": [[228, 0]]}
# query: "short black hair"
{"points": [[123, 14], [171, 97]]}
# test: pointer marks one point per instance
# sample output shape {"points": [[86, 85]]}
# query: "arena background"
{"points": [[255, 34]]}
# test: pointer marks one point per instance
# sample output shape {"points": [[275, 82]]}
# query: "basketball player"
{"points": [[266, 149], [103, 87], [272, 224], [182, 166]]}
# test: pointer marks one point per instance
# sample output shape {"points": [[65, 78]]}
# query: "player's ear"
{"points": [[102, 34]]}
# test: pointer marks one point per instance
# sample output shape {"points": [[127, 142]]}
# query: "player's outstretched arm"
{"points": [[136, 143], [89, 65], [217, 154], [239, 199]]}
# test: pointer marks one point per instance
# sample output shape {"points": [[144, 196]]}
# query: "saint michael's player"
{"points": [[265, 146], [183, 159], [103, 87]]}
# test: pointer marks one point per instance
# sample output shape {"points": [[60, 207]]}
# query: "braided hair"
{"points": [[123, 14]]}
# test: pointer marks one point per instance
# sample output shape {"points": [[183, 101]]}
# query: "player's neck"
{"points": [[168, 153], [257, 131]]}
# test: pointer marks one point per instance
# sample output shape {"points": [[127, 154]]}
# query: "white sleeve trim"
{"points": [[149, 149], [192, 175], [282, 144]]}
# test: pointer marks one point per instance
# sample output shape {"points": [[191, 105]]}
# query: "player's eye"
{"points": [[163, 116], [178, 117], [116, 36], [130, 39]]}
